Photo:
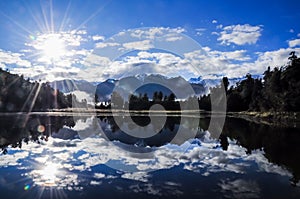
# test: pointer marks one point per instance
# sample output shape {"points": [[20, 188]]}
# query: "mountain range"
{"points": [[145, 83]]}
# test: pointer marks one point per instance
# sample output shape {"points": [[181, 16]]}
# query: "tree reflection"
{"points": [[280, 144], [18, 129], [165, 135], [113, 132]]}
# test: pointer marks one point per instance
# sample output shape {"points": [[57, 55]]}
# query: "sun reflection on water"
{"points": [[47, 176]]}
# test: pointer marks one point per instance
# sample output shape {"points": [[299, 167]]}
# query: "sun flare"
{"points": [[51, 47], [46, 176]]}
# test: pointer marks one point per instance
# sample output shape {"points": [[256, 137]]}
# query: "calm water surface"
{"points": [[79, 157]]}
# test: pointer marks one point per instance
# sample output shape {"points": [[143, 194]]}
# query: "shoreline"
{"points": [[269, 118], [286, 119]]}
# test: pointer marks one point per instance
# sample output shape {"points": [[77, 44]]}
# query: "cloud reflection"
{"points": [[240, 189], [60, 162]]}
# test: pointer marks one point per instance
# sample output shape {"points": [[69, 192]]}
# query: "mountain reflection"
{"points": [[277, 144], [163, 136]]}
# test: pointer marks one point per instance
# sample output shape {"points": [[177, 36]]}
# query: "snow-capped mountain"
{"points": [[147, 84], [216, 80], [69, 85], [80, 88], [87, 90], [105, 89]]}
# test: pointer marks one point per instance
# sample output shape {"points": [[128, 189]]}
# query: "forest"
{"points": [[278, 90], [20, 95]]}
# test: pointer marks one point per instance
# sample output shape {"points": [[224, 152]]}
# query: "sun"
{"points": [[54, 47], [51, 47]]}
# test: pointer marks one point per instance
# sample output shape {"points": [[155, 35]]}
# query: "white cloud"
{"points": [[156, 33], [139, 39], [214, 21], [148, 34], [237, 63], [151, 63], [291, 30], [138, 176], [99, 175], [106, 61], [29, 72], [294, 43], [240, 34], [13, 160], [63, 49], [275, 58], [237, 55], [93, 182], [98, 38], [96, 61], [39, 72], [106, 44], [138, 45], [219, 26], [174, 38], [240, 188], [216, 62], [95, 150], [205, 61], [7, 57]]}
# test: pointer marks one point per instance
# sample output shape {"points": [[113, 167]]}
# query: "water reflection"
{"points": [[246, 160], [46, 176], [163, 136], [280, 144], [17, 129]]}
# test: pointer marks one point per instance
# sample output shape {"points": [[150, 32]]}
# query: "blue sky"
{"points": [[55, 39]]}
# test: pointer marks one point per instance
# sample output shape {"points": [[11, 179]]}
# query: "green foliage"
{"points": [[18, 94], [142, 102], [278, 91]]}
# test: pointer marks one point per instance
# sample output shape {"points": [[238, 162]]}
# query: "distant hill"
{"points": [[212, 82], [69, 85], [105, 89], [84, 89], [80, 88], [146, 84]]}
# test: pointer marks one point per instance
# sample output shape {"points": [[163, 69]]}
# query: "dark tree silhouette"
{"points": [[279, 90], [18, 94]]}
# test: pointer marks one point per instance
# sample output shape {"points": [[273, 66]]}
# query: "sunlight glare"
{"points": [[52, 47], [48, 175]]}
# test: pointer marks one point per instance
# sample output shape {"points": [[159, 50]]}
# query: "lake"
{"points": [[86, 156]]}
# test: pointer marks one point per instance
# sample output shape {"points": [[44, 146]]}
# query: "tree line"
{"points": [[141, 101], [18, 94], [277, 90]]}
